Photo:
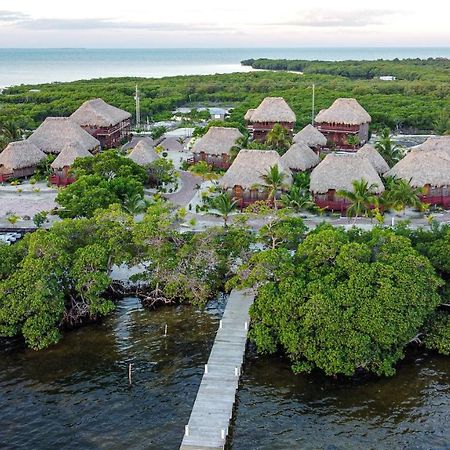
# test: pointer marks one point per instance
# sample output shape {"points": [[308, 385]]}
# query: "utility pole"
{"points": [[138, 108], [313, 107]]}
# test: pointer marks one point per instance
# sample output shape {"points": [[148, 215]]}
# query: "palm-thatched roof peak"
{"points": [[250, 165], [98, 113], [345, 111], [143, 153], [68, 155], [310, 136], [217, 141], [21, 154], [274, 110], [371, 153], [55, 133], [426, 164], [337, 171], [300, 157], [248, 114]]}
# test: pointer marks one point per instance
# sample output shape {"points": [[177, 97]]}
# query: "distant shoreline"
{"points": [[39, 66]]}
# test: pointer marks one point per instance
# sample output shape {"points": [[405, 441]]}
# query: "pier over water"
{"points": [[213, 407]]}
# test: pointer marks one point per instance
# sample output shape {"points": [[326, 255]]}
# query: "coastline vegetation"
{"points": [[344, 302], [419, 100], [339, 301]]}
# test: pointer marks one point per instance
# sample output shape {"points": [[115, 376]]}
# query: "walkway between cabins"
{"points": [[213, 408], [187, 191]]}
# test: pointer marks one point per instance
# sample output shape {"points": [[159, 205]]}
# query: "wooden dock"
{"points": [[213, 407]]}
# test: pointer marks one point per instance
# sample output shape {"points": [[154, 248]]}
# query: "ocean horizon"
{"points": [[35, 66]]}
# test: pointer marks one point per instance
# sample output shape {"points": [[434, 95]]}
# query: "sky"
{"points": [[230, 23]]}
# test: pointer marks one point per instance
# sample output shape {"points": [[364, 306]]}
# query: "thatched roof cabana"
{"points": [[434, 143], [338, 170], [172, 143], [300, 157], [426, 164], [371, 153], [68, 155], [250, 165], [20, 155], [55, 133], [273, 110], [217, 141], [248, 114], [98, 113], [143, 153], [344, 111], [311, 136]]}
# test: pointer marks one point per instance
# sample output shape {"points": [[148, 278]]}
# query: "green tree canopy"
{"points": [[102, 180], [340, 305], [60, 276]]}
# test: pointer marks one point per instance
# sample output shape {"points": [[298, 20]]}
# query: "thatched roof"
{"points": [[338, 170], [273, 109], [310, 136], [300, 157], [68, 155], [217, 140], [172, 143], [55, 133], [428, 163], [249, 165], [143, 153], [377, 161], [434, 143], [346, 111], [248, 114], [20, 154], [98, 113]]}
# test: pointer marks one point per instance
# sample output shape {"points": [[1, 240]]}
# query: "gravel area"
{"points": [[25, 204]]}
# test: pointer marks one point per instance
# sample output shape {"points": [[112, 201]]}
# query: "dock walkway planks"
{"points": [[213, 407]]}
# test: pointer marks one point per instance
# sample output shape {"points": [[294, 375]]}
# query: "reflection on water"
{"points": [[277, 410], [76, 394]]}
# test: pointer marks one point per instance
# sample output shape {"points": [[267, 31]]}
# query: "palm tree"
{"points": [[224, 205], [181, 140], [273, 182], [11, 130], [298, 199], [353, 140], [242, 142], [278, 138], [361, 198], [204, 170], [442, 123], [401, 194], [390, 151], [302, 180], [135, 204]]}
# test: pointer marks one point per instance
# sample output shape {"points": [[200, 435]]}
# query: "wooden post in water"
{"points": [[165, 330], [129, 373]]}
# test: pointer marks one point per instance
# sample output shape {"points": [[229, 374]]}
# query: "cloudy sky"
{"points": [[232, 23]]}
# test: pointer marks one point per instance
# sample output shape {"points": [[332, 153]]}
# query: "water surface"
{"points": [[31, 66], [277, 410], [76, 394]]}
